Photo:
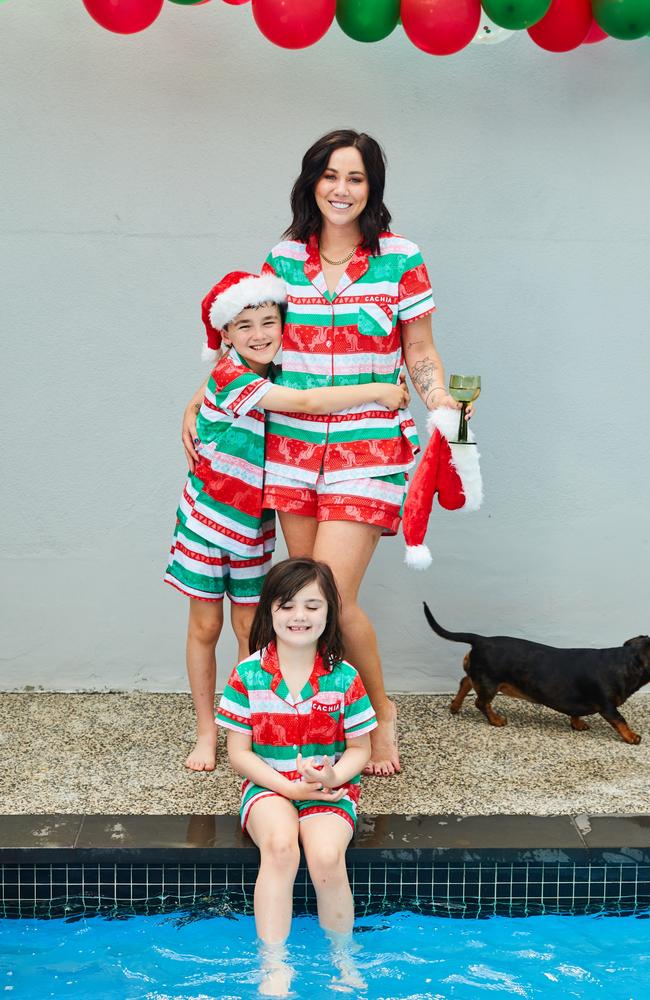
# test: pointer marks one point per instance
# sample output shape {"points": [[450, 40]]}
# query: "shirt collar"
{"points": [[358, 264], [269, 662]]}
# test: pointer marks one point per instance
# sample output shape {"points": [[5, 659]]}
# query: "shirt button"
{"points": [[295, 746], [328, 343]]}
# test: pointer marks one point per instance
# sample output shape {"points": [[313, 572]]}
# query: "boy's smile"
{"points": [[256, 335]]}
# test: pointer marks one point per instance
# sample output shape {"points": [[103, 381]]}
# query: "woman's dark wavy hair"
{"points": [[375, 217], [284, 581]]}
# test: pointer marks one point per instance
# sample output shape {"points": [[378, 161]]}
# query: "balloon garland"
{"points": [[437, 27]]}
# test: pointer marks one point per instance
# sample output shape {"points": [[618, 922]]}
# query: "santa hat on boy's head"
{"points": [[236, 291], [447, 468]]}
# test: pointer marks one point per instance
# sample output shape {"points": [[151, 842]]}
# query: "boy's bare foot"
{"points": [[204, 754], [384, 760]]}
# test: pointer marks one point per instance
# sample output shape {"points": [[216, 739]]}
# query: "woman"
{"points": [[359, 305]]}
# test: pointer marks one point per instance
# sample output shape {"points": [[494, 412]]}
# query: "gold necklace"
{"points": [[336, 263]]}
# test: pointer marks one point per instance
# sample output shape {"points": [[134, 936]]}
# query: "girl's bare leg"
{"points": [[241, 619], [325, 839], [203, 631], [347, 547], [273, 826]]}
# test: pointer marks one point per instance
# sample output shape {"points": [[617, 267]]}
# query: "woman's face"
{"points": [[342, 191]]}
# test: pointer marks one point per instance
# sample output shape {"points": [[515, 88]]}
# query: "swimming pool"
{"points": [[446, 907], [401, 956]]}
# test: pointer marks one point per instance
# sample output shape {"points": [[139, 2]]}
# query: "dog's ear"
{"points": [[641, 646]]}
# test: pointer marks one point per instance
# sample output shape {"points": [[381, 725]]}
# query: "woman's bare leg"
{"points": [[347, 547], [273, 826], [299, 533], [203, 631]]}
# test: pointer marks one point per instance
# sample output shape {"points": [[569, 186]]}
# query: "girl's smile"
{"points": [[301, 621]]}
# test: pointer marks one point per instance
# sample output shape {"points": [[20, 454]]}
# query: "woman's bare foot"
{"points": [[204, 754], [383, 741]]}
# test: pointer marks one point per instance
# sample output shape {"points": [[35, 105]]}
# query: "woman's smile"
{"points": [[341, 192]]}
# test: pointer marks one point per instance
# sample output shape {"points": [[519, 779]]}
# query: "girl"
{"points": [[298, 721], [359, 305]]}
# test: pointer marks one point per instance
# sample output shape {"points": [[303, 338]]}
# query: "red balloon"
{"points": [[564, 26], [235, 3], [595, 34], [441, 27], [293, 24], [124, 17]]}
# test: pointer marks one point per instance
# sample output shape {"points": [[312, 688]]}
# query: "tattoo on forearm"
{"points": [[426, 376]]}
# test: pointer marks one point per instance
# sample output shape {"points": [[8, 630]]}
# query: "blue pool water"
{"points": [[400, 956]]}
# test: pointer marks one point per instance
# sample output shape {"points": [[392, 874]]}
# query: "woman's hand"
{"points": [[188, 434], [323, 774], [440, 397]]}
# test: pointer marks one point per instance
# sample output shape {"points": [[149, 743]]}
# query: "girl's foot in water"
{"points": [[276, 973], [342, 953]]}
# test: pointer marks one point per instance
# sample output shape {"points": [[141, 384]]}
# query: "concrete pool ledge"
{"points": [[388, 839]]}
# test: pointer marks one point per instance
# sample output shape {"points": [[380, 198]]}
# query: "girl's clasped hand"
{"points": [[319, 777]]}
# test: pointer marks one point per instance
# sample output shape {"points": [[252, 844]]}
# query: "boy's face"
{"points": [[256, 335]]}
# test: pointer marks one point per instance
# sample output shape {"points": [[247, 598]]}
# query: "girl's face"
{"points": [[301, 621], [342, 191]]}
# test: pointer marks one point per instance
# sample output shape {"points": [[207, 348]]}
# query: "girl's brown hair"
{"points": [[284, 581], [375, 217]]}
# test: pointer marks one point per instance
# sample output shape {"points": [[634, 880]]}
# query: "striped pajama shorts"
{"points": [[345, 808], [204, 571], [378, 500]]}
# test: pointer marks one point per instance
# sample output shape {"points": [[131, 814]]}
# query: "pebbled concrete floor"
{"points": [[123, 754]]}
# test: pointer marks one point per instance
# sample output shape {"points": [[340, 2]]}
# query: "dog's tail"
{"points": [[439, 630]]}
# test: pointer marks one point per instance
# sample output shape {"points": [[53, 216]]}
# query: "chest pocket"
{"points": [[325, 721], [375, 320]]}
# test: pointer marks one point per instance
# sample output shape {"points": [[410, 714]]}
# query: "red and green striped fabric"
{"points": [[332, 706], [222, 500], [351, 337]]}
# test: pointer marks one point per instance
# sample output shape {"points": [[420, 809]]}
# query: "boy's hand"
{"points": [[394, 397], [323, 775], [188, 435]]}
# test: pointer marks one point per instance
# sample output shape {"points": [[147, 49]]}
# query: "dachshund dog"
{"points": [[575, 682]]}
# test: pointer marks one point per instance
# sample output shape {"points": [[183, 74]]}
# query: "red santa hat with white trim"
{"points": [[236, 291], [447, 468]]}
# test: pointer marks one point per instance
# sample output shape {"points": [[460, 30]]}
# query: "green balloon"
{"points": [[516, 14], [623, 18], [187, 3], [367, 20]]}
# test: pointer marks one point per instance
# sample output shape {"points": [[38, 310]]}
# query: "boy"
{"points": [[224, 540]]}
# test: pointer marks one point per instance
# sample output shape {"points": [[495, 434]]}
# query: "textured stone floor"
{"points": [[123, 753]]}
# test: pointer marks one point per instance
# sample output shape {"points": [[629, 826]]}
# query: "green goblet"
{"points": [[464, 389]]}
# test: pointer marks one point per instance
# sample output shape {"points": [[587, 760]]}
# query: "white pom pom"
{"points": [[418, 557], [207, 354]]}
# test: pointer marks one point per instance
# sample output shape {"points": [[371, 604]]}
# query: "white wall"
{"points": [[138, 170]]}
